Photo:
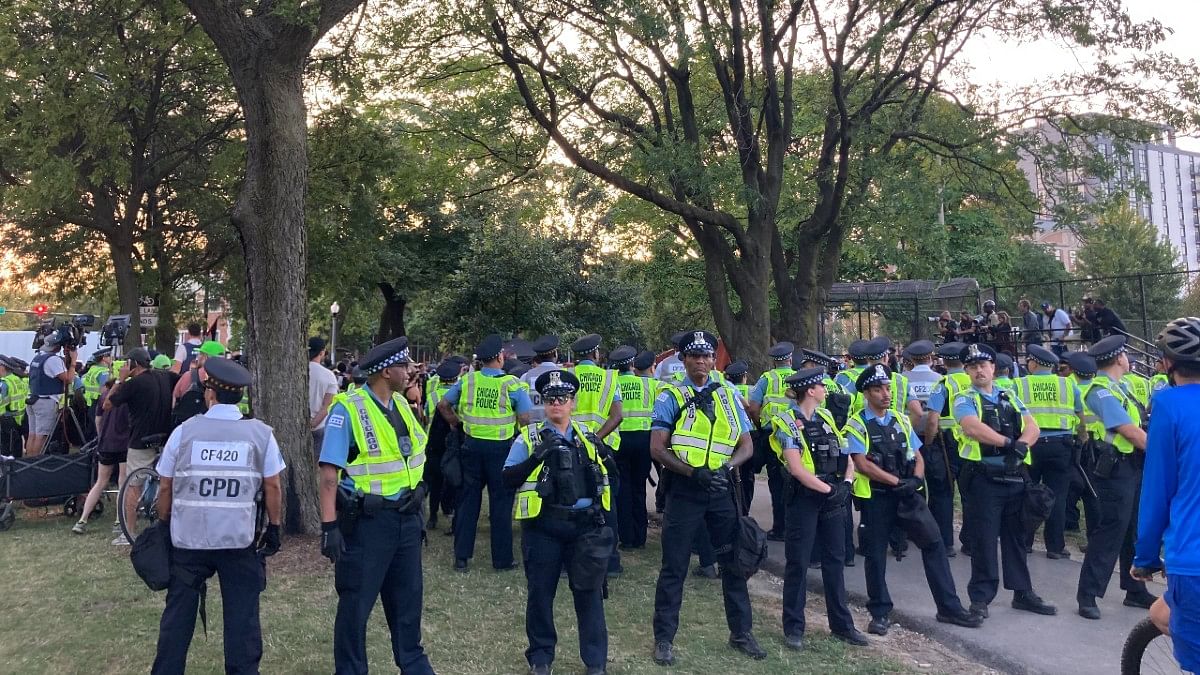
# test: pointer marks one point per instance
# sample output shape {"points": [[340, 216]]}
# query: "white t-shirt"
{"points": [[321, 381], [54, 366], [668, 367], [272, 462], [181, 351], [1060, 325]]}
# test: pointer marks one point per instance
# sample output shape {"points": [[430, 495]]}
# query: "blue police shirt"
{"points": [[856, 447], [759, 392], [616, 390], [964, 407], [102, 378], [519, 452], [846, 383], [788, 442], [335, 449], [519, 396], [937, 399], [1106, 407], [665, 407]]}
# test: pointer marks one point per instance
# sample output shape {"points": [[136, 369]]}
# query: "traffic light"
{"points": [[41, 310]]}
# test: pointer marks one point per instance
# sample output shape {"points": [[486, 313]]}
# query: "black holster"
{"points": [[347, 511]]}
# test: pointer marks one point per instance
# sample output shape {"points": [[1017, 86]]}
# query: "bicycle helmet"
{"points": [[1180, 339]]}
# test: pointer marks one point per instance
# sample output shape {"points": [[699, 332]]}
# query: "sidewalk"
{"points": [[1010, 641]]}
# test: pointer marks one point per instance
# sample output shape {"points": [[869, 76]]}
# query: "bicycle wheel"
{"points": [[1147, 651], [145, 513]]}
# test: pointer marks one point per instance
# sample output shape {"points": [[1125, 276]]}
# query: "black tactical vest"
{"points": [[1001, 417], [889, 449]]}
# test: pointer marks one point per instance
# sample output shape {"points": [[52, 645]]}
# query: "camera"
{"points": [[113, 333], [69, 336]]}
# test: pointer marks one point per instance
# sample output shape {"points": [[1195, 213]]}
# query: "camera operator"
{"points": [[50, 373]]}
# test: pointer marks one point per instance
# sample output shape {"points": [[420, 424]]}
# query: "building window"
{"points": [[1071, 257]]}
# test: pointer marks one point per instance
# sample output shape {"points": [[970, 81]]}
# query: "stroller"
{"points": [[47, 480]]}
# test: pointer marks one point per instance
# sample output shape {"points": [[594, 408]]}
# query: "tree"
{"points": [[266, 46], [1131, 268]]}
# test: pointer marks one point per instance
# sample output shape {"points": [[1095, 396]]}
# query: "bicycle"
{"points": [[1149, 649], [145, 512]]}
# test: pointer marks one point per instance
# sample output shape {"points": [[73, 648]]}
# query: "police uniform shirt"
{"points": [[1106, 407], [518, 396], [666, 407], [846, 382], [922, 380], [964, 407], [669, 367], [616, 396], [788, 442], [937, 399], [339, 436], [520, 452], [855, 444], [272, 460]]}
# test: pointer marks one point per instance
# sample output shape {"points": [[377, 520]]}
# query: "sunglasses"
{"points": [[557, 400]]}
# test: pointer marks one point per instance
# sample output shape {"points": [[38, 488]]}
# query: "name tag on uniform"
{"points": [[920, 390], [220, 453]]}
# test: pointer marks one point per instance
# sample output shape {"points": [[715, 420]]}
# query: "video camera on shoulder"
{"points": [[70, 335], [113, 333]]}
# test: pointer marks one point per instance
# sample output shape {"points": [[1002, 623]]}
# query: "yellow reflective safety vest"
{"points": [[485, 408], [637, 401], [775, 400], [698, 441], [1050, 399], [822, 426], [954, 384], [1138, 387], [1159, 382], [386, 463], [91, 383], [998, 416], [856, 427], [433, 396], [594, 400], [18, 391], [899, 395], [1096, 426], [244, 405], [528, 503], [1006, 383], [117, 365]]}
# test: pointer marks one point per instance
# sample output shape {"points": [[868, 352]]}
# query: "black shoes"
{"points": [[979, 609], [746, 644], [664, 653], [1058, 555], [962, 618], [849, 562], [1089, 611], [707, 571], [950, 552], [460, 565], [1142, 600], [879, 626], [774, 535], [1029, 601], [795, 641], [540, 669], [852, 637], [511, 566]]}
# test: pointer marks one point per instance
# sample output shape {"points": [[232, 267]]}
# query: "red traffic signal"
{"points": [[41, 310]]}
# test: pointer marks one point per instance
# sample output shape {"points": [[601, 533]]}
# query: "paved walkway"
{"points": [[1010, 641]]}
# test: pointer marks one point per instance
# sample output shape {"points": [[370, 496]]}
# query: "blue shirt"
{"points": [[616, 390], [1106, 407], [519, 396], [759, 392], [845, 382], [788, 442], [937, 399], [335, 449], [855, 445], [665, 408], [519, 452], [1169, 512], [102, 378]]}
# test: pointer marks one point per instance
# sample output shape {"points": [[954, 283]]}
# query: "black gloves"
{"points": [[1020, 449], [603, 451], [907, 486], [840, 493], [720, 480], [269, 544], [332, 545], [702, 476], [541, 451]]}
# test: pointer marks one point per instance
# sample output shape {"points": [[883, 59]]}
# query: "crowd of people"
{"points": [[1052, 326]]}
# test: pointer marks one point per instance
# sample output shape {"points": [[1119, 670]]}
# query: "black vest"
{"points": [[1001, 417], [889, 449], [569, 474], [823, 446], [41, 384]]}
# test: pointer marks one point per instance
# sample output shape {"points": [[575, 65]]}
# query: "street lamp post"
{"points": [[333, 312]]}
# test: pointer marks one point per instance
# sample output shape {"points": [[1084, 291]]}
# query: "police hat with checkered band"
{"points": [[820, 358], [621, 356], [391, 353], [556, 382], [1081, 363], [975, 353], [951, 351], [1108, 348], [805, 378], [225, 374], [698, 342], [781, 351], [872, 376], [1042, 356], [877, 349]]}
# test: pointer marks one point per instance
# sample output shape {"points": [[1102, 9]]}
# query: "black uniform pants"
{"points": [[765, 457], [1107, 541], [483, 465], [806, 524], [243, 578], [995, 508], [1052, 458], [690, 509], [880, 511], [547, 546], [12, 441], [940, 483], [441, 493], [382, 562], [633, 461]]}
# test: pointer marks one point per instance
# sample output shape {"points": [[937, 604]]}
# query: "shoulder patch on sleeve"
{"points": [[335, 422]]}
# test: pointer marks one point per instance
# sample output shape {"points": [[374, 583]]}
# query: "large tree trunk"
{"points": [[391, 317], [802, 296], [746, 330], [121, 252]]}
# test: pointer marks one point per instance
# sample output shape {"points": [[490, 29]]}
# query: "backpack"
{"points": [[191, 403], [749, 540], [189, 351]]}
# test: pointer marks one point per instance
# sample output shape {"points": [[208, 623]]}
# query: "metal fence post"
{"points": [[1062, 295], [1145, 314]]}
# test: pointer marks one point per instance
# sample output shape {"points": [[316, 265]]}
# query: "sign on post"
{"points": [[148, 311]]}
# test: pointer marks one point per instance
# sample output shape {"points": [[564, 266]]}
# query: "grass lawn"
{"points": [[72, 604]]}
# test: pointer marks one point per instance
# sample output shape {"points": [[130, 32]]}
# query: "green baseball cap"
{"points": [[162, 362], [212, 348]]}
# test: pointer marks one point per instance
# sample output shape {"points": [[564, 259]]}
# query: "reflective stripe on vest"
{"points": [[696, 440], [1159, 381], [528, 503], [954, 384], [788, 424], [593, 401], [1139, 388], [18, 391], [381, 466], [484, 407], [1050, 399], [433, 396], [1096, 427], [91, 383], [637, 401], [856, 426], [775, 400]]}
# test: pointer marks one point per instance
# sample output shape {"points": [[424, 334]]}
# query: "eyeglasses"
{"points": [[557, 400]]}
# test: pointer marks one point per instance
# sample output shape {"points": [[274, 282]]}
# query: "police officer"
{"points": [[875, 352], [372, 461], [441, 493], [1004, 373], [633, 461], [673, 364], [837, 402], [1080, 369], [941, 459], [857, 351], [98, 372], [563, 492], [490, 406], [883, 445], [13, 423], [805, 440], [211, 470], [995, 432], [599, 411], [1139, 389], [1056, 404], [768, 399], [545, 358], [699, 433], [922, 378], [1115, 471]]}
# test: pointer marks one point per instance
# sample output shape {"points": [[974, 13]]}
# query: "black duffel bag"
{"points": [[452, 472], [1039, 501], [151, 556], [913, 516], [749, 540], [589, 559]]}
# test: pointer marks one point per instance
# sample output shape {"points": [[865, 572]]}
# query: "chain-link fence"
{"points": [[906, 310]]}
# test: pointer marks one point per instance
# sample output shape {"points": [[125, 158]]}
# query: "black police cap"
{"points": [[557, 382], [545, 345], [781, 351], [974, 353], [858, 350], [225, 374], [869, 377], [919, 349], [951, 351], [586, 344], [490, 348], [805, 378], [448, 369], [1004, 362], [621, 355], [697, 342], [1107, 348], [737, 369], [644, 360], [391, 353], [817, 357], [1081, 363], [519, 370], [1042, 356], [101, 353], [877, 348]]}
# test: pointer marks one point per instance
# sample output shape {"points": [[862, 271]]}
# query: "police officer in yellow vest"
{"points": [[491, 406], [1056, 404], [13, 391], [96, 375], [995, 432], [441, 493], [940, 450], [1115, 469], [563, 493], [1139, 389], [598, 409], [633, 461], [372, 461], [769, 398], [858, 355], [700, 434], [889, 470]]}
